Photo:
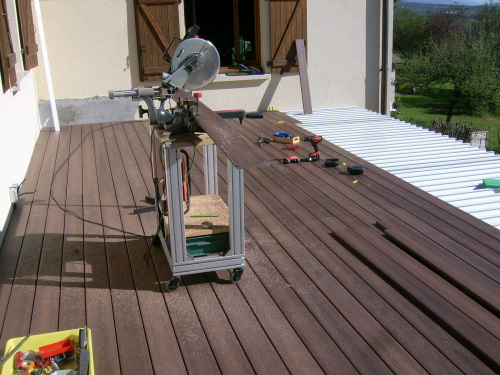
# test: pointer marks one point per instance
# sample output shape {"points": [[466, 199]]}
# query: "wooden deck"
{"points": [[345, 274]]}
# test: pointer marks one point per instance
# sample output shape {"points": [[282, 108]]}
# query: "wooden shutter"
{"points": [[157, 24], [7, 56], [27, 28], [288, 22]]}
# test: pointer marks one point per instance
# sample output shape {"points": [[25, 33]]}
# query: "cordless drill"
{"points": [[313, 156], [314, 139]]}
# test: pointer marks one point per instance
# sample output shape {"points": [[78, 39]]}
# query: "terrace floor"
{"points": [[345, 274]]}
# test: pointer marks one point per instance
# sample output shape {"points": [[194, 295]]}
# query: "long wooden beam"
{"points": [[242, 153], [304, 77]]}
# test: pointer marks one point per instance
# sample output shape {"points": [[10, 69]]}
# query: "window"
{"points": [[231, 25]]}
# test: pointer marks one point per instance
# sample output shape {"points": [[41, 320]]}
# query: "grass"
{"points": [[433, 103]]}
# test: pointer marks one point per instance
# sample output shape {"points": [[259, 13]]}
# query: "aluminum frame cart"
{"points": [[178, 228], [190, 245]]}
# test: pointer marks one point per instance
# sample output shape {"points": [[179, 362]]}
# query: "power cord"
{"points": [[27, 192], [147, 254], [72, 213]]}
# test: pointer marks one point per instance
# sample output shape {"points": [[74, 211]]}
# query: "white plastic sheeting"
{"points": [[442, 166]]}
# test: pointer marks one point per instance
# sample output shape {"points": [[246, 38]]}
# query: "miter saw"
{"points": [[194, 64], [192, 243]]}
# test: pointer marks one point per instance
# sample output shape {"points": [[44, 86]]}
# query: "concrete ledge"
{"points": [[479, 139], [88, 111], [247, 77]]}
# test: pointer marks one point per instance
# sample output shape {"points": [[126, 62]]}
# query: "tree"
{"points": [[488, 17], [410, 31], [450, 23], [470, 63]]}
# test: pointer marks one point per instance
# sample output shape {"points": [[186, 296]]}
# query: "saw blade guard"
{"points": [[197, 61]]}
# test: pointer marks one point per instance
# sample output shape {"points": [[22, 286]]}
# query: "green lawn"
{"points": [[433, 103]]}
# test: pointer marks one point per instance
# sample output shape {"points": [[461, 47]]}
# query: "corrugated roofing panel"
{"points": [[444, 167]]}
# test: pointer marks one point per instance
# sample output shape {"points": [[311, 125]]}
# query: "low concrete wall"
{"points": [[88, 111], [479, 139]]}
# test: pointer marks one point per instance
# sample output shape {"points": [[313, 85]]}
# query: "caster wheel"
{"points": [[236, 275], [174, 283], [156, 241]]}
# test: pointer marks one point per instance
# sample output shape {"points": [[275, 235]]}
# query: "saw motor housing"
{"points": [[194, 64]]}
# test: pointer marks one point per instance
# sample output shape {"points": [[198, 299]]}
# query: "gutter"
{"points": [[48, 76], [386, 69]]}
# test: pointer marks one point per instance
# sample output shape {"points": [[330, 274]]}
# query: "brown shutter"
{"points": [[27, 28], [157, 24], [7, 56], [288, 22]]}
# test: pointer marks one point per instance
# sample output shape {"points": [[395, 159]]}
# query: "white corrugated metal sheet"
{"points": [[446, 168]]}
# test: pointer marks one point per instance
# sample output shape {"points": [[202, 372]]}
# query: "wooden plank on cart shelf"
{"points": [[205, 208], [183, 139]]}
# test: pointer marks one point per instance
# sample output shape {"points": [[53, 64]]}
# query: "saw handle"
{"points": [[141, 92]]}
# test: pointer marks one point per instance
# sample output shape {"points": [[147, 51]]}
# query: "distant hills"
{"points": [[436, 6], [447, 2]]}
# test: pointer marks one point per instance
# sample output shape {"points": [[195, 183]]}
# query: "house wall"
{"points": [[19, 126], [92, 49]]}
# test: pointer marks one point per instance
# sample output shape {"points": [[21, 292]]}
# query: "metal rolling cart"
{"points": [[191, 245], [197, 233]]}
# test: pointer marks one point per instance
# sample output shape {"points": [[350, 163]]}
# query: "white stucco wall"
{"points": [[92, 49], [337, 40], [19, 126], [91, 46]]}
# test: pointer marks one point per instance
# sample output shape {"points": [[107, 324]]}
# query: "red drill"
{"points": [[291, 159], [314, 139], [313, 156]]}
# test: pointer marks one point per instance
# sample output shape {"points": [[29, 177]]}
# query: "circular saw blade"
{"points": [[206, 65]]}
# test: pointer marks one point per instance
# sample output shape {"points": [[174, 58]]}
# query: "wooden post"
{"points": [[304, 78]]}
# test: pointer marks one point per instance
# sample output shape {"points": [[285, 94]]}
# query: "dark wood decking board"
{"points": [[337, 309], [313, 336], [451, 221], [327, 354], [466, 278], [355, 191], [19, 310], [126, 293], [273, 176], [451, 214], [420, 219], [393, 266], [306, 304], [99, 307], [231, 357], [47, 296], [275, 210], [72, 299], [146, 283], [384, 207], [14, 238]]}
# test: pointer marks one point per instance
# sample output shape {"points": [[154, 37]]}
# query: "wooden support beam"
{"points": [[304, 77], [242, 153]]}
